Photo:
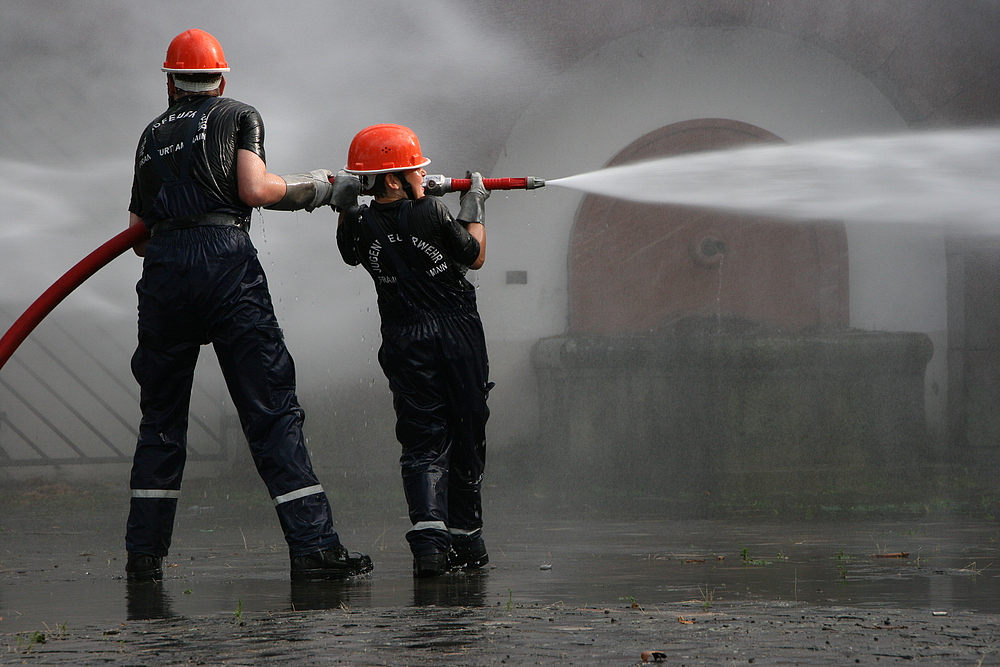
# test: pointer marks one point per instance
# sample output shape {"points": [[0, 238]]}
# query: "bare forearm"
{"points": [[257, 186], [478, 232]]}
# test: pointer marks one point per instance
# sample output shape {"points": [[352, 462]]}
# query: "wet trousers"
{"points": [[438, 370], [205, 285]]}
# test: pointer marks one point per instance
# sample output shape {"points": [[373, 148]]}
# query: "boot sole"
{"points": [[323, 574]]}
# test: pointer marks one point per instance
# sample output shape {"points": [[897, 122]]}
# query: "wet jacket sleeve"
{"points": [[135, 202], [347, 238], [456, 241], [250, 132]]}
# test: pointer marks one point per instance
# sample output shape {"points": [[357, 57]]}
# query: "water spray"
{"points": [[439, 185], [941, 177], [948, 176]]}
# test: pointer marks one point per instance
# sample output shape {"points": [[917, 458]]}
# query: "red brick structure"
{"points": [[639, 267]]}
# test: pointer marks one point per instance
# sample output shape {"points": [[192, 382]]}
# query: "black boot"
{"points": [[335, 563], [430, 565], [143, 567], [467, 553]]}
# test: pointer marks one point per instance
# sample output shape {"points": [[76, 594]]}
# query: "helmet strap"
{"points": [[405, 184], [367, 182]]}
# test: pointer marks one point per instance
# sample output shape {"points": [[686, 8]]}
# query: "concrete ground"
{"points": [[570, 587], [754, 633]]}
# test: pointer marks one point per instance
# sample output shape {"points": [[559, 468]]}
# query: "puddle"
{"points": [[51, 577]]}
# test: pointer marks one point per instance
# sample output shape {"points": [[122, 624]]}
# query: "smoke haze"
{"points": [[81, 80]]}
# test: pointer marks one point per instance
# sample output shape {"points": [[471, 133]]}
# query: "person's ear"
{"points": [[171, 88], [222, 86]]}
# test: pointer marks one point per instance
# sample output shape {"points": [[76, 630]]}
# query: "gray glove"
{"points": [[346, 189], [472, 204], [308, 191]]}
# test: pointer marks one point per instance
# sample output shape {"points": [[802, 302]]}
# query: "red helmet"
{"points": [[195, 52], [384, 148]]}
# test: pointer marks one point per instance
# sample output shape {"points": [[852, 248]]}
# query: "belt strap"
{"points": [[214, 219]]}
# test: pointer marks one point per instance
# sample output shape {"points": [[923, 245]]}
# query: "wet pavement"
{"points": [[581, 584]]}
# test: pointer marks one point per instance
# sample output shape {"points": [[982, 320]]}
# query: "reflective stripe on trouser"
{"points": [[437, 371], [439, 525], [227, 304]]}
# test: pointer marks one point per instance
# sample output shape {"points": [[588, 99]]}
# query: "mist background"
{"points": [[81, 79], [509, 88], [79, 82]]}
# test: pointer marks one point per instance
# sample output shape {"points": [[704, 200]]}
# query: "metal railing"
{"points": [[69, 398]]}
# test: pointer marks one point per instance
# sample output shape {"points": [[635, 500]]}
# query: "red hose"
{"points": [[61, 288], [463, 184], [439, 185]]}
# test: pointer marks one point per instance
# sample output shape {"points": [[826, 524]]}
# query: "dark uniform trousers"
{"points": [[205, 285], [437, 371]]}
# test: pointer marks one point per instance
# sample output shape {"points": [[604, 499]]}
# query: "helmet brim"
{"points": [[214, 70], [390, 170]]}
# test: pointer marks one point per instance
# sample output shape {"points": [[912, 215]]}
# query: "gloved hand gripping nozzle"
{"points": [[472, 204], [305, 191]]}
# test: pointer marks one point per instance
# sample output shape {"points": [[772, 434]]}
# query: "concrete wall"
{"points": [[765, 416]]}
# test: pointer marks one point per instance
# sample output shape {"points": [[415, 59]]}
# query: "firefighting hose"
{"points": [[102, 256], [61, 288]]}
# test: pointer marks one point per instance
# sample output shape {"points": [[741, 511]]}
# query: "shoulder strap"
{"points": [[184, 167]]}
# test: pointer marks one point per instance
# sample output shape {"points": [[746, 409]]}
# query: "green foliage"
{"points": [[747, 560], [707, 596]]}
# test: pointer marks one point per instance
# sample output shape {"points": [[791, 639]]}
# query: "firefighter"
{"points": [[199, 172], [433, 349]]}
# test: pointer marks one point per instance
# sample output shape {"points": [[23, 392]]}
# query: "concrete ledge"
{"points": [[737, 414]]}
